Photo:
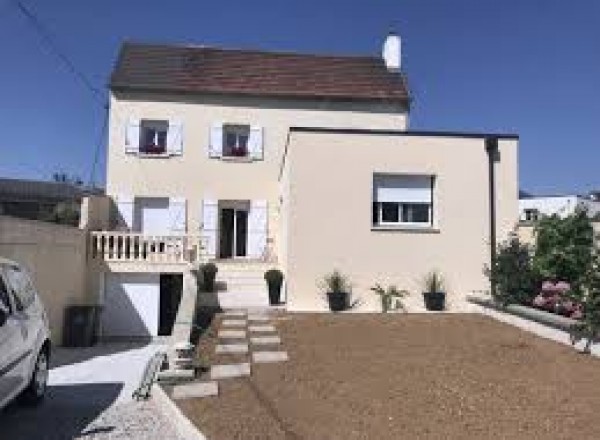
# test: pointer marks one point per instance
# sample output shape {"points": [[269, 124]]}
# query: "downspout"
{"points": [[491, 147]]}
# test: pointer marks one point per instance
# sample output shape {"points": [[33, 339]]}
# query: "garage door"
{"points": [[131, 304]]}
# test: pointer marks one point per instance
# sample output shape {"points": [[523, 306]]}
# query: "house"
{"points": [[256, 159], [532, 207], [42, 200]]}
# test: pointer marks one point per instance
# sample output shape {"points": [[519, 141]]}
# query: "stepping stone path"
{"points": [[248, 336], [193, 390]]}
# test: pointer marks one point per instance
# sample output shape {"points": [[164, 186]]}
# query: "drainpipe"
{"points": [[491, 147]]}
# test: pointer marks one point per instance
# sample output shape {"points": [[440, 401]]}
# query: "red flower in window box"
{"points": [[153, 149]]}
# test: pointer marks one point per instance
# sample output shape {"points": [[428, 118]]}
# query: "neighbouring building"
{"points": [[307, 163], [57, 202], [532, 207]]}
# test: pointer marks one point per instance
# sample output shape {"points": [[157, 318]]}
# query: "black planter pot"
{"points": [[435, 301], [274, 294], [338, 301]]}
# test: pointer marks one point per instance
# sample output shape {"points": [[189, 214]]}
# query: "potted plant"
{"points": [[388, 295], [434, 294], [274, 279], [208, 273], [337, 288]]}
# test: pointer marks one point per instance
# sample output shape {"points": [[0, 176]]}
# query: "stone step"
{"points": [[259, 318], [234, 323], [231, 334], [238, 348], [265, 340], [195, 390], [243, 299], [172, 375], [234, 313], [227, 371], [261, 328], [263, 357]]}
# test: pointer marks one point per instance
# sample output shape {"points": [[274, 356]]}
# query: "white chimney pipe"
{"points": [[392, 52]]}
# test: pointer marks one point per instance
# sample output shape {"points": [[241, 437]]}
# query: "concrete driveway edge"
{"points": [[185, 428]]}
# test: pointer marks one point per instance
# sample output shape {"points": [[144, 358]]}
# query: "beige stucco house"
{"points": [[303, 162]]}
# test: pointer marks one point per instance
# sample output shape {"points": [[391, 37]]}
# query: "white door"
{"points": [[131, 304]]}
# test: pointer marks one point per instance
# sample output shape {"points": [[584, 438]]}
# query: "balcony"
{"points": [[112, 246]]}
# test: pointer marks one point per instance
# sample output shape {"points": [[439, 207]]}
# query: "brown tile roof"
{"points": [[188, 69]]}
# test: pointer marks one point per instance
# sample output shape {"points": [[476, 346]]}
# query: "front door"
{"points": [[233, 236]]}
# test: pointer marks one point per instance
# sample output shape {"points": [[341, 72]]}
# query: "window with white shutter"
{"points": [[132, 136], [402, 199], [175, 138], [177, 215], [257, 228], [255, 143], [215, 144]]}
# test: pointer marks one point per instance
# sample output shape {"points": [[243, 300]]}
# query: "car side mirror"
{"points": [[3, 316]]}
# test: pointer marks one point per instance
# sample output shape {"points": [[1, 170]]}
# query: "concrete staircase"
{"points": [[241, 284]]}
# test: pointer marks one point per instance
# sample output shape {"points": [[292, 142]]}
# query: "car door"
{"points": [[12, 345], [26, 314]]}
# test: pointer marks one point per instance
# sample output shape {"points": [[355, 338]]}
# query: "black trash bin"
{"points": [[80, 326]]}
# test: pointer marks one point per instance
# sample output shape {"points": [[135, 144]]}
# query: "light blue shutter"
{"points": [[177, 214], [132, 136], [215, 144], [255, 142], [257, 229], [125, 206], [175, 137], [210, 216]]}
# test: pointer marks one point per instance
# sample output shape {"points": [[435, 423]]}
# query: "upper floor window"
{"points": [[235, 140], [402, 199], [153, 136]]}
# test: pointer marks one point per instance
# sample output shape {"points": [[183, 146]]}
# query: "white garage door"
{"points": [[131, 304]]}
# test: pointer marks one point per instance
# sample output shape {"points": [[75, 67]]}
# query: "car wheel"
{"points": [[36, 390]]}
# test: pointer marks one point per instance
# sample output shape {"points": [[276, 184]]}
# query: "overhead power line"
{"points": [[47, 38], [99, 144]]}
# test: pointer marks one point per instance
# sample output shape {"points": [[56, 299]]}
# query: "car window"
{"points": [[21, 286], [4, 300]]}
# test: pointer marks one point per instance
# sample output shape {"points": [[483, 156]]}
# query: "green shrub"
{"points": [[564, 247], [516, 280], [274, 278], [434, 282], [207, 273], [586, 293], [387, 296], [336, 282]]}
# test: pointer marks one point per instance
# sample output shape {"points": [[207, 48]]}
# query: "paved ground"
{"points": [[421, 376], [90, 397]]}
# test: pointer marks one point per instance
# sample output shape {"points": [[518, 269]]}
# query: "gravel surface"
{"points": [[408, 376]]}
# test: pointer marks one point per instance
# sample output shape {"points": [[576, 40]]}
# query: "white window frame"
{"points": [[401, 204]]}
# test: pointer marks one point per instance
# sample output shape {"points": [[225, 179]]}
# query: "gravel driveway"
{"points": [[89, 397]]}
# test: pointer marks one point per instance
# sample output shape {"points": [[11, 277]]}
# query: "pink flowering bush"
{"points": [[555, 298]]}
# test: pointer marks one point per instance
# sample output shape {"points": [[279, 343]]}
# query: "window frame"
{"points": [[377, 209], [161, 130], [237, 130]]}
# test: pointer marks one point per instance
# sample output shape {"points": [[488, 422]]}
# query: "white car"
{"points": [[24, 337]]}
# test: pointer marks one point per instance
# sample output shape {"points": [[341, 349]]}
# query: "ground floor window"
{"points": [[400, 199]]}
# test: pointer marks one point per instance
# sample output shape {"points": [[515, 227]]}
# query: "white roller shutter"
{"points": [[402, 188], [257, 228], [210, 219]]}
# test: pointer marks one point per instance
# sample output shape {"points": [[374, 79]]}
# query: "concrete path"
{"points": [[89, 396], [534, 327]]}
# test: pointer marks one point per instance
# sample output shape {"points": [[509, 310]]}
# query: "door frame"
{"points": [[235, 205]]}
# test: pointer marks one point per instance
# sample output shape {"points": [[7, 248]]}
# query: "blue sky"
{"points": [[525, 66]]}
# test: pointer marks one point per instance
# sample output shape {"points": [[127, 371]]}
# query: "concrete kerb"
{"points": [[185, 428]]}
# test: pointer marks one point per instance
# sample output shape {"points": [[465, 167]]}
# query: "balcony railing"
{"points": [[136, 247]]}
